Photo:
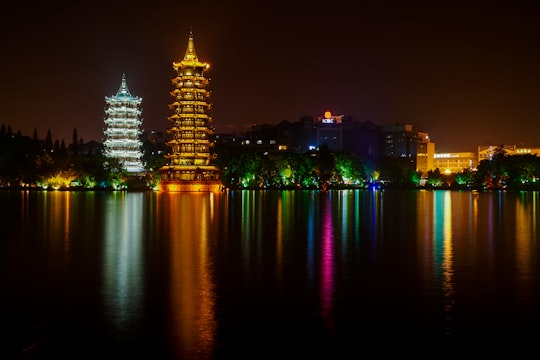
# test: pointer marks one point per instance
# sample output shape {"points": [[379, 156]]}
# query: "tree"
{"points": [[325, 166], [435, 178], [249, 171], [465, 178], [74, 146], [493, 173], [350, 168], [48, 141], [398, 172]]}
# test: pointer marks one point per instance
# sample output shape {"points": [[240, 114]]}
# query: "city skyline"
{"points": [[466, 74]]}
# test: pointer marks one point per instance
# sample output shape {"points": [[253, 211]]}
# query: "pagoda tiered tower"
{"points": [[190, 160], [123, 129]]}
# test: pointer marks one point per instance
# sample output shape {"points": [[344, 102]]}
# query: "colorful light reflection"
{"points": [[327, 261]]}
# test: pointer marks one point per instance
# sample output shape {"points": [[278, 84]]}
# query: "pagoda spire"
{"points": [[123, 90], [190, 52]]}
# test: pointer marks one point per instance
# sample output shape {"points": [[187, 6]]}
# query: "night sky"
{"points": [[468, 73]]}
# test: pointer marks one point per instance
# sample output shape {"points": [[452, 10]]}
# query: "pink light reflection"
{"points": [[327, 263]]}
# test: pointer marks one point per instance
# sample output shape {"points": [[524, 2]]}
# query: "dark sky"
{"points": [[466, 72]]}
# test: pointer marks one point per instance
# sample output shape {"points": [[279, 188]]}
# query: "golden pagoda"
{"points": [[190, 160]]}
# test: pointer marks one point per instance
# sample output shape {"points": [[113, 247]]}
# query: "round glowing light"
{"points": [[327, 114]]}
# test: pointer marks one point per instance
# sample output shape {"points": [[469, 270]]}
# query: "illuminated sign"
{"points": [[327, 119]]}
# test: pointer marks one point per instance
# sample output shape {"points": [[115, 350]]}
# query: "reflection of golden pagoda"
{"points": [[189, 165]]}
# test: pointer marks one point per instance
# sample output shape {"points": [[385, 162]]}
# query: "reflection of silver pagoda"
{"points": [[189, 166], [123, 129]]}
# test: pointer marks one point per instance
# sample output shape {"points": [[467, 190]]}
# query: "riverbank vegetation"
{"points": [[31, 163]]}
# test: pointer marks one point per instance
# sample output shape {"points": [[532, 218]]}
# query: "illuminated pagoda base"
{"points": [[190, 179]]}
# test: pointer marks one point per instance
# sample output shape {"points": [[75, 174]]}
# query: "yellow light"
{"points": [[327, 114]]}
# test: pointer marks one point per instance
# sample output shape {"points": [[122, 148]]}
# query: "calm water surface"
{"points": [[208, 276]]}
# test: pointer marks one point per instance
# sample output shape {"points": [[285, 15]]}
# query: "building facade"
{"points": [[190, 159], [407, 141], [425, 152], [455, 162], [123, 130], [528, 151], [486, 152]]}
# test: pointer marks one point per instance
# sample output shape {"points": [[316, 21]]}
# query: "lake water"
{"points": [[262, 274]]}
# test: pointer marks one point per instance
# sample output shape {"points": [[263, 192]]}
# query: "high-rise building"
{"points": [[123, 129], [190, 160], [330, 131], [406, 141]]}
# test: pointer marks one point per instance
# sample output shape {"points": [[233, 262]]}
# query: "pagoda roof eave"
{"points": [[187, 63]]}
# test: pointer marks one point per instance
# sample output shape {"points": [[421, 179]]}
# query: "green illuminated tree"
{"points": [[325, 167], [350, 168]]}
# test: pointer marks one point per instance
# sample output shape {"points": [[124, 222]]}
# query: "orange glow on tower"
{"points": [[190, 161]]}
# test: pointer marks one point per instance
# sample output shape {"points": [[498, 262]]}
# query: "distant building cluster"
{"points": [[366, 140]]}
